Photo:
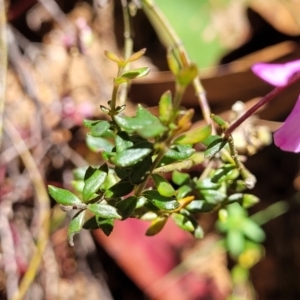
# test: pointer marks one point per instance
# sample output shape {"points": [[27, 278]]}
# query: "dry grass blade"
{"points": [[43, 206]]}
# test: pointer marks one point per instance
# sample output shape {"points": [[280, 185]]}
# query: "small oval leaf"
{"points": [[63, 196], [104, 211], [194, 136], [156, 225]]}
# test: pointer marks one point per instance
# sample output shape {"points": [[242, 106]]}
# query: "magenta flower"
{"points": [[287, 137]]}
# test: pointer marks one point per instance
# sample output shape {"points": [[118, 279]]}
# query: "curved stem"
{"points": [[43, 206]]}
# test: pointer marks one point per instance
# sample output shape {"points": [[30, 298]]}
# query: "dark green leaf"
{"points": [[166, 107], [156, 225], [194, 136], [126, 207], [75, 226], [63, 196], [213, 148], [136, 73], [94, 178], [131, 156], [104, 211], [163, 186], [140, 170], [91, 223], [165, 203], [120, 189], [98, 144], [123, 141], [106, 225], [183, 222]]}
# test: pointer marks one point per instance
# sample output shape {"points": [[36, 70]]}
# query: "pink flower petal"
{"points": [[276, 74], [287, 137]]}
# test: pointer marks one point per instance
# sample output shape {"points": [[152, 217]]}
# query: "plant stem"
{"points": [[128, 48], [269, 97], [170, 39]]}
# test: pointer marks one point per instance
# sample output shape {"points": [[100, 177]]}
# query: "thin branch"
{"points": [[43, 206], [171, 41]]}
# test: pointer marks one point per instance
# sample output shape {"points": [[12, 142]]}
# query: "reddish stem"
{"points": [[270, 96]]}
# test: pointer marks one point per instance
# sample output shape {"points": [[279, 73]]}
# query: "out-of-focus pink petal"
{"points": [[287, 137], [276, 74]]}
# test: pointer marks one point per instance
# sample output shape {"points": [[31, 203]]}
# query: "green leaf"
{"points": [[131, 156], [98, 144], [235, 242], [207, 184], [224, 173], [98, 128], [126, 207], [200, 206], [183, 191], [165, 107], [144, 123], [180, 178], [165, 203], [94, 178], [140, 170], [180, 152], [249, 200], [110, 180], [163, 186], [187, 74], [213, 196], [104, 211], [156, 225], [120, 189], [252, 231], [75, 226], [183, 222], [222, 123], [214, 147], [63, 196], [123, 141], [91, 223], [136, 73], [194, 136]]}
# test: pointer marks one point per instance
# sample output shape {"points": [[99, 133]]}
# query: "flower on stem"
{"points": [[287, 137]]}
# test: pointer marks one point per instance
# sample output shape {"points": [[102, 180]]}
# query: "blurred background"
{"points": [[57, 75]]}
